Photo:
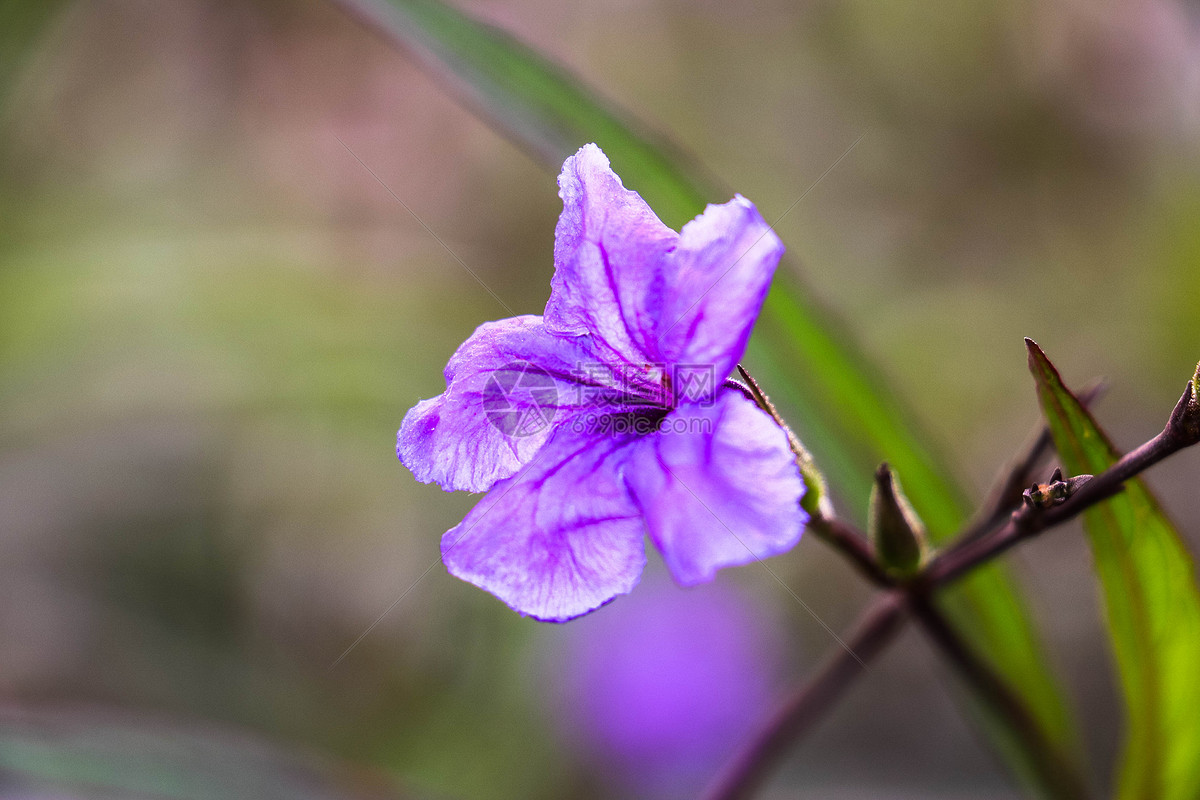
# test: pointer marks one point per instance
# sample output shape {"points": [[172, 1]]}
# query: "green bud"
{"points": [[895, 530], [816, 496]]}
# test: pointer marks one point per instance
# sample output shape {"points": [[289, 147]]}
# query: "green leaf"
{"points": [[807, 362], [1151, 601], [78, 755], [538, 105]]}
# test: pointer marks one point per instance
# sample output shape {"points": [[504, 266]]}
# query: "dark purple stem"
{"points": [[883, 620], [1005, 495], [1182, 430], [875, 630], [852, 544], [1052, 766]]}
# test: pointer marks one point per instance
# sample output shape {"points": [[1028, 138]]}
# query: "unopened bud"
{"points": [[816, 497], [1184, 423], [896, 531]]}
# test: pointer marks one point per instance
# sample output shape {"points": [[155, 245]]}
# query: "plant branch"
{"points": [[1182, 430], [1005, 494], [880, 624], [875, 630], [1050, 764], [852, 544]]}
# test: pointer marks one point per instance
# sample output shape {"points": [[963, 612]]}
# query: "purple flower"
{"points": [[658, 692], [607, 418]]}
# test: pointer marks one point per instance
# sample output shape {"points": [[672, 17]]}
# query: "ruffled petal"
{"points": [[508, 387], [559, 539], [717, 279], [609, 253], [656, 301], [718, 486]]}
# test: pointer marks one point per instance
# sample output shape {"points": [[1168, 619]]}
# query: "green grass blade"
{"points": [[806, 362], [1152, 604], [103, 755], [537, 104]]}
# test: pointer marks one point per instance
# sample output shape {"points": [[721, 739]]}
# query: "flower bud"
{"points": [[896, 532], [1184, 423]]}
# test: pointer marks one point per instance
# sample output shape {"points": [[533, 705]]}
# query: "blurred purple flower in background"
{"points": [[660, 690], [607, 418]]}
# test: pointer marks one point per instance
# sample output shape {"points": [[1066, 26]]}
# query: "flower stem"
{"points": [[1029, 522], [1050, 764], [1005, 495], [874, 631], [880, 624], [852, 544]]}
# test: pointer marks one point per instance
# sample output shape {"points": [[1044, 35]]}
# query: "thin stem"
{"points": [[875, 630], [1028, 522], [852, 544], [881, 623], [1051, 765], [1005, 494]]}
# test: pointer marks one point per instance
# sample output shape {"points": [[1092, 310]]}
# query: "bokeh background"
{"points": [[213, 318]]}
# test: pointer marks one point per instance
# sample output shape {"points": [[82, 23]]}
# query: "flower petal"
{"points": [[609, 253], [718, 486], [559, 539], [508, 387], [716, 283]]}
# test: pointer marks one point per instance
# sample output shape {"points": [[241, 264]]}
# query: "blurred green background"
{"points": [[213, 318]]}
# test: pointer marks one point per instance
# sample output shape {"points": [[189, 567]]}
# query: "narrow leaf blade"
{"points": [[1152, 604], [843, 413], [80, 755]]}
